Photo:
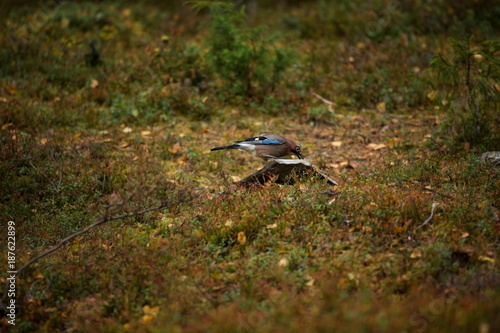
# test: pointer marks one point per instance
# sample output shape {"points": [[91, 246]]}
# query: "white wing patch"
{"points": [[246, 147]]}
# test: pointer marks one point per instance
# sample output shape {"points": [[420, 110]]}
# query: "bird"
{"points": [[266, 146]]}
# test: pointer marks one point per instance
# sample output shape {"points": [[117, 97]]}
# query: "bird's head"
{"points": [[295, 149], [297, 152]]}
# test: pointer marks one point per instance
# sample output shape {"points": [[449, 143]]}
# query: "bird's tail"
{"points": [[235, 146]]}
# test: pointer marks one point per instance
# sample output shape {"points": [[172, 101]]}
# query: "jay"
{"points": [[266, 146]]}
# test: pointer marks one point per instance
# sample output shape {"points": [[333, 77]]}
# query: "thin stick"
{"points": [[430, 217], [81, 232], [321, 98]]}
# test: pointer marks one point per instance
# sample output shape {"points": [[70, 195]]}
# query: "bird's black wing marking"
{"points": [[257, 138]]}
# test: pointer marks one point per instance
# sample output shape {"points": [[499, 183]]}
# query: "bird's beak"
{"points": [[299, 156]]}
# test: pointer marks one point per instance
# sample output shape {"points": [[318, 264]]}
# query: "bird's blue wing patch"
{"points": [[271, 142]]}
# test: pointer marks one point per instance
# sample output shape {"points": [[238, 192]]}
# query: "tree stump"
{"points": [[283, 171]]}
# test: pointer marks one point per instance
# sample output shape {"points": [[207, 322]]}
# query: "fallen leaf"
{"points": [[336, 144], [432, 95], [376, 146], [381, 107], [310, 281], [272, 226], [417, 253], [151, 310], [283, 262], [175, 148], [11, 89], [94, 83], [242, 239], [145, 133], [486, 259], [391, 143], [146, 318], [366, 228], [127, 130]]}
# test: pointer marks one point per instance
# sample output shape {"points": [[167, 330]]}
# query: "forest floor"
{"points": [[407, 242]]}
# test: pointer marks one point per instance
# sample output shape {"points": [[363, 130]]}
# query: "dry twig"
{"points": [[321, 98], [434, 204], [85, 230]]}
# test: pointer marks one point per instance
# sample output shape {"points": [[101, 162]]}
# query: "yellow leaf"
{"points": [[127, 326], [242, 239], [5, 126], [417, 253], [150, 310], [146, 318], [94, 83], [486, 259], [127, 130], [465, 235], [381, 107], [145, 133], [272, 226]]}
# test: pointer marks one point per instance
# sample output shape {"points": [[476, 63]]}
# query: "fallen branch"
{"points": [[430, 217], [83, 231]]}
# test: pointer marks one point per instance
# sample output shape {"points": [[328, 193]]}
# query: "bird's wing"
{"points": [[262, 140]]}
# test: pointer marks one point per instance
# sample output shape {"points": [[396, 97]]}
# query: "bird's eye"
{"points": [[297, 149]]}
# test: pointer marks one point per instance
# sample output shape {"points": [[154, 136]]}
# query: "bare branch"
{"points": [[85, 230]]}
